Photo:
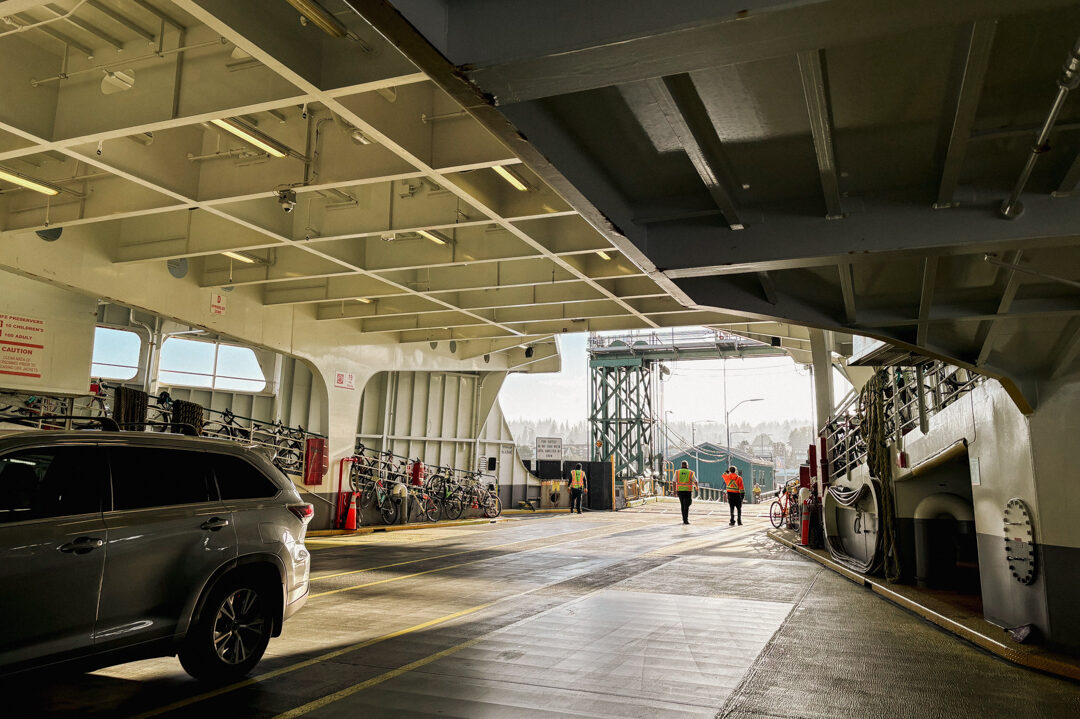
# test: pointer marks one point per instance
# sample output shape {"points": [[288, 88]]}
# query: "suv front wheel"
{"points": [[230, 637]]}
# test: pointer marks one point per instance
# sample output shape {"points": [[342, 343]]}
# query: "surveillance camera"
{"points": [[287, 200]]}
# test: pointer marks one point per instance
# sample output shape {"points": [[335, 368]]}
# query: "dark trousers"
{"points": [[575, 499], [735, 500], [685, 498]]}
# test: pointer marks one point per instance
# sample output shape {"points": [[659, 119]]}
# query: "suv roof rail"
{"points": [[107, 424]]}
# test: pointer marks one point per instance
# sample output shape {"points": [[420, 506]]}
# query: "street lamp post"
{"points": [[727, 424]]}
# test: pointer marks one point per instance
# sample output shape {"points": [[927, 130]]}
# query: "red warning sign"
{"points": [[22, 345]]}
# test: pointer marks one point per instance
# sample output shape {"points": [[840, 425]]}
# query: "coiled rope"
{"points": [[878, 462]]}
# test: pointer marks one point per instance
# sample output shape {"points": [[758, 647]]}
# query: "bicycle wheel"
{"points": [[368, 490], [388, 509], [776, 515], [429, 508], [452, 506], [794, 520], [289, 460], [492, 506]]}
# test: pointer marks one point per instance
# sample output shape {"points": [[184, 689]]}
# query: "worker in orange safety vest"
{"points": [[577, 487], [735, 492], [685, 484]]}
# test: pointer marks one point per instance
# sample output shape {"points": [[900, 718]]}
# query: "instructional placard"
{"points": [[549, 448], [22, 345], [345, 380], [217, 303]]}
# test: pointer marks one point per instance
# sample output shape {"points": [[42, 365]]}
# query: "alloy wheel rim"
{"points": [[238, 626]]}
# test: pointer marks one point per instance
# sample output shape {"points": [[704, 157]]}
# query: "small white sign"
{"points": [[217, 302], [549, 448], [976, 478], [345, 380]]}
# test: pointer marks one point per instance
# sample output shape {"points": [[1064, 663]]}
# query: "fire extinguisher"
{"points": [[806, 509]]}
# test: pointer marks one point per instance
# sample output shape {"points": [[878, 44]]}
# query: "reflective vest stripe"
{"points": [[733, 482], [577, 479], [684, 480]]}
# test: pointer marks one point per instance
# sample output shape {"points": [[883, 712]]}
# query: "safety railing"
{"points": [[703, 492], [665, 340], [912, 396]]}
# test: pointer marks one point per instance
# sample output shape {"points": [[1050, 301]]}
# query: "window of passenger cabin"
{"points": [[238, 479], [51, 482], [155, 477], [194, 363], [116, 354]]}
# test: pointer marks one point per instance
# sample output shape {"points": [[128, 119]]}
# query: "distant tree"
{"points": [[800, 438]]}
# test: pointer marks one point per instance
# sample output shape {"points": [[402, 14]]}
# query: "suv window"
{"points": [[51, 482], [238, 479], [159, 477]]}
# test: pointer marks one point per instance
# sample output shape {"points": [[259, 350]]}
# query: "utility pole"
{"points": [[693, 441], [727, 424]]}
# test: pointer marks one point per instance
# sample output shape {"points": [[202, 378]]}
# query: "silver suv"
{"points": [[117, 546]]}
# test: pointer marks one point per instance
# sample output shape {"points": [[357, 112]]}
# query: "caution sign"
{"points": [[22, 345], [345, 380]]}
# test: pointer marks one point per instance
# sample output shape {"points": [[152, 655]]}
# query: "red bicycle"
{"points": [[785, 510]]}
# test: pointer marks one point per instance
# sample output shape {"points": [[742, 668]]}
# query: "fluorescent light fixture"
{"points": [[510, 177], [239, 257], [318, 16], [251, 135], [603, 255], [365, 300], [434, 235], [24, 181]]}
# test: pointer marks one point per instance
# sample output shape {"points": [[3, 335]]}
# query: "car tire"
{"points": [[232, 633]]}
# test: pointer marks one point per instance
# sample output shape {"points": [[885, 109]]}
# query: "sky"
{"points": [[694, 391]]}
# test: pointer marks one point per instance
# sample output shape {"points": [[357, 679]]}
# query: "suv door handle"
{"points": [[215, 524], [81, 545]]}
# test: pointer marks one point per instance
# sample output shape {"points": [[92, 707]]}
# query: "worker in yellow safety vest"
{"points": [[735, 492], [577, 487], [685, 484]]}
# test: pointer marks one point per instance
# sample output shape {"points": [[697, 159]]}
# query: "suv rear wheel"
{"points": [[230, 637]]}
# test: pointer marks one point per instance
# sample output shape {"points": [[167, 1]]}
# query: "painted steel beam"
{"points": [[1065, 351], [732, 35], [1071, 181], [815, 89], [976, 42], [85, 26], [926, 297], [881, 228], [121, 19], [57, 35], [989, 329], [847, 291], [768, 287], [681, 105]]}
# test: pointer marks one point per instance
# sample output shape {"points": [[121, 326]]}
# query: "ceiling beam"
{"points": [[731, 36], [57, 35], [989, 329], [926, 297], [1066, 349], [681, 105], [973, 58], [83, 25], [847, 290], [1070, 181], [815, 90], [768, 287], [121, 19]]}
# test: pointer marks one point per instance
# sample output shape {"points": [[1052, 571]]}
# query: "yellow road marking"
{"points": [[355, 688], [307, 663]]}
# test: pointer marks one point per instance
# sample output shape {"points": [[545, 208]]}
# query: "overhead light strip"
{"points": [[252, 136], [239, 257], [603, 255], [510, 177], [434, 235], [31, 184], [320, 17]]}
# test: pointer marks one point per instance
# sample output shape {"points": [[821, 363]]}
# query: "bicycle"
{"points": [[225, 428], [376, 493], [785, 509]]}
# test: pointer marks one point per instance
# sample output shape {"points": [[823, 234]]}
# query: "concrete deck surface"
{"points": [[629, 614]]}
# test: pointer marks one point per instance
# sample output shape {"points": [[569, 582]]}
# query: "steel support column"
{"points": [[622, 417]]}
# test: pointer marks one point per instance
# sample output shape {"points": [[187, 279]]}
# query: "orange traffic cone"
{"points": [[350, 516]]}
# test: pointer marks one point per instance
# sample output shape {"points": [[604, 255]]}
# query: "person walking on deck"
{"points": [[577, 488], [685, 484], [735, 492]]}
